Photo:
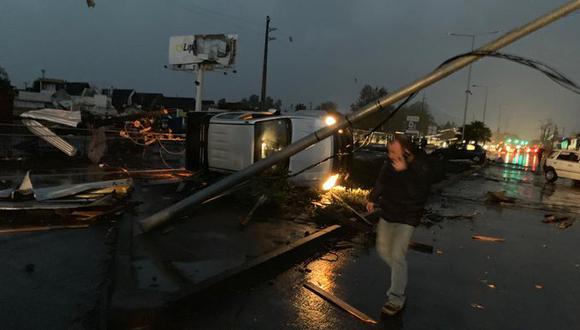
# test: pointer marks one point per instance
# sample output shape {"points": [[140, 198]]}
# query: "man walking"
{"points": [[400, 192]]}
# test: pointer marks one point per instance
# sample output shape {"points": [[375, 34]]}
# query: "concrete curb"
{"points": [[131, 308]]}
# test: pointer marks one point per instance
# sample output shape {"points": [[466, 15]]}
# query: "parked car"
{"points": [[472, 152], [562, 164]]}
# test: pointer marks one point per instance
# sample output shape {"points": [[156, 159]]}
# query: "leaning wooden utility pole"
{"points": [[265, 65], [230, 181]]}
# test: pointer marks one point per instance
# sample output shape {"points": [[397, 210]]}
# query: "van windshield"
{"points": [[271, 136]]}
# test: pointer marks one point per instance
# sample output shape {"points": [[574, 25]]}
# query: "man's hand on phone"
{"points": [[399, 164], [370, 207]]}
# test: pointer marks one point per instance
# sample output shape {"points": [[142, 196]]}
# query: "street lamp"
{"points": [[468, 91], [486, 89]]}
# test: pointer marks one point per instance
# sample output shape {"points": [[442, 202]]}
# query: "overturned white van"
{"points": [[229, 141]]}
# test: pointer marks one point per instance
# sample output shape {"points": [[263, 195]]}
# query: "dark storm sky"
{"points": [[123, 43]]}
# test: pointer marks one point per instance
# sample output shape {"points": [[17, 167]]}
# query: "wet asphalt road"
{"points": [[530, 281], [53, 280]]}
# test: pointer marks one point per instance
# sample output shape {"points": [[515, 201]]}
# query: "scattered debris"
{"points": [[261, 201], [562, 221], [167, 230], [29, 268], [550, 218], [477, 306], [499, 197], [43, 228], [350, 208], [488, 238], [164, 181], [26, 197], [91, 190], [339, 302], [439, 252], [72, 206], [343, 245], [435, 217], [567, 224], [465, 216], [54, 116], [420, 247], [432, 218]]}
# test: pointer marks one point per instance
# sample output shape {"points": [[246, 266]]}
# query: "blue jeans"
{"points": [[392, 244]]}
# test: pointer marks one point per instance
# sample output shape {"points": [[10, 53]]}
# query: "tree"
{"points": [[367, 95], [328, 106], [300, 106], [448, 125], [6, 97], [4, 79], [477, 131], [253, 102]]}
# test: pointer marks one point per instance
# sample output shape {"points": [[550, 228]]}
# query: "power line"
{"points": [[552, 73]]}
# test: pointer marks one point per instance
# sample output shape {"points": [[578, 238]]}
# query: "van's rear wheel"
{"points": [[550, 174]]}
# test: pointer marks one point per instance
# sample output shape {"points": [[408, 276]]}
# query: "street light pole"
{"points": [[467, 90], [499, 118], [486, 89]]}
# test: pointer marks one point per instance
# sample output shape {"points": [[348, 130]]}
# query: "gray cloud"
{"points": [[382, 42]]}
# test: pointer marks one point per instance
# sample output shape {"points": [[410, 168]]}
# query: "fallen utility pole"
{"points": [[199, 197]]}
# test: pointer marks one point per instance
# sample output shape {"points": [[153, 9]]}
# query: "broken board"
{"points": [[339, 302]]}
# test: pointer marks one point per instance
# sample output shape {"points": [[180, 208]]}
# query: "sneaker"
{"points": [[391, 309]]}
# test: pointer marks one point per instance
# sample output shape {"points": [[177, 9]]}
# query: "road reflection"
{"points": [[528, 160], [312, 311]]}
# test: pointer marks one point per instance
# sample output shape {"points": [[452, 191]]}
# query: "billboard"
{"points": [[216, 49]]}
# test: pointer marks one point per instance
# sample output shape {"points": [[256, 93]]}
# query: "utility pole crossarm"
{"points": [[226, 183]]}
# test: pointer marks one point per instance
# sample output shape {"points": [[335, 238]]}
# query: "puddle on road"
{"points": [[521, 183], [312, 310]]}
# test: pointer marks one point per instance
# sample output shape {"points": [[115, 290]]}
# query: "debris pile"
{"points": [[499, 197], [62, 206], [562, 222]]}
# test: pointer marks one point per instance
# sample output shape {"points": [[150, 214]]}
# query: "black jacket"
{"points": [[401, 196]]}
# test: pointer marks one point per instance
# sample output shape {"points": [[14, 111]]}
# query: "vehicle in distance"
{"points": [[473, 152], [562, 164]]}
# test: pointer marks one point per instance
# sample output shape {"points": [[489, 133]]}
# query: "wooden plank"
{"points": [[488, 238], [43, 228], [350, 208], [339, 302], [420, 247]]}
